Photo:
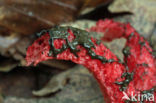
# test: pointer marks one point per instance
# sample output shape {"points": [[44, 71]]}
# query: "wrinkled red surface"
{"points": [[110, 29], [105, 73], [145, 77]]}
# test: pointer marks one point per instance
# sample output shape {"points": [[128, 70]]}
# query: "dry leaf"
{"points": [[7, 65], [82, 88], [56, 83], [144, 15], [28, 17]]}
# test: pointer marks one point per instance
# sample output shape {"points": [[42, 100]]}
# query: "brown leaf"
{"points": [[19, 22], [7, 65], [56, 83], [81, 87], [29, 17]]}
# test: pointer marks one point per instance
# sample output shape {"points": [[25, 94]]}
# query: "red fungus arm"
{"points": [[108, 73], [105, 73], [137, 51]]}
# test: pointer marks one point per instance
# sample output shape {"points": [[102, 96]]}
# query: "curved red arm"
{"points": [[113, 76]]}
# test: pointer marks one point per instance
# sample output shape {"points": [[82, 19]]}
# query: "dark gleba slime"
{"points": [[81, 38], [114, 77]]}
